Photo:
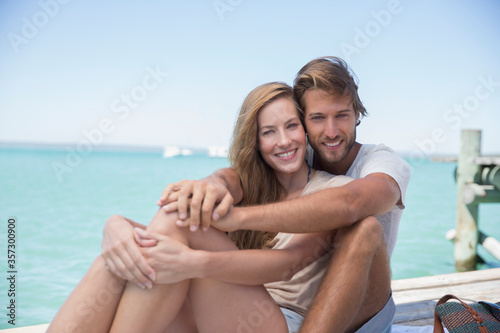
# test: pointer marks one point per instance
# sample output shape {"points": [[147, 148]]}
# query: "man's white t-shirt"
{"points": [[382, 159]]}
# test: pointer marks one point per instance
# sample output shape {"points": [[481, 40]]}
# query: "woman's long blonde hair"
{"points": [[258, 180]]}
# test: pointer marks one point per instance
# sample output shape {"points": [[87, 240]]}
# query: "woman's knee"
{"points": [[163, 223]]}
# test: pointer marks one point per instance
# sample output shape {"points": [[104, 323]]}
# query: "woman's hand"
{"points": [[205, 201], [122, 254], [172, 260]]}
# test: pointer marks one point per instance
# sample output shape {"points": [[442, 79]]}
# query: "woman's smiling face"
{"points": [[281, 137]]}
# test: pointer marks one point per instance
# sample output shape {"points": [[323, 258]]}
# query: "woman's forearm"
{"points": [[255, 267], [247, 267]]}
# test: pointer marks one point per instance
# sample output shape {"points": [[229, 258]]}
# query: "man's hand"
{"points": [[171, 260], [232, 221], [204, 201], [122, 254]]}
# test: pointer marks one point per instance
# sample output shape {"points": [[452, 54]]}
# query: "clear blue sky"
{"points": [[426, 68]]}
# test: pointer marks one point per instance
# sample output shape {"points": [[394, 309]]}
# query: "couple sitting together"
{"points": [[306, 246]]}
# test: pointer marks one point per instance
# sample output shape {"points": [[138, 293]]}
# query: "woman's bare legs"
{"points": [[92, 305], [216, 305], [95, 300]]}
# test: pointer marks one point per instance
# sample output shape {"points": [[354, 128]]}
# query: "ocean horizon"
{"points": [[85, 145]]}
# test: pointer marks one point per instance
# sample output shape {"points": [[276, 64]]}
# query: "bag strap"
{"points": [[438, 326]]}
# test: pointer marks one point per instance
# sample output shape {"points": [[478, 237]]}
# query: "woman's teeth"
{"points": [[290, 153]]}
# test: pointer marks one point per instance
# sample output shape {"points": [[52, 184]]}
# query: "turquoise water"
{"points": [[59, 222]]}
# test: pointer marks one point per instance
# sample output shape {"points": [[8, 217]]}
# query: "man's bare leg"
{"points": [[357, 284]]}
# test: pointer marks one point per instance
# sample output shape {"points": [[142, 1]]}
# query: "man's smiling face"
{"points": [[331, 126]]}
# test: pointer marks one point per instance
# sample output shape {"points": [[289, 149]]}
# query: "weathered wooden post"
{"points": [[467, 214], [478, 182]]}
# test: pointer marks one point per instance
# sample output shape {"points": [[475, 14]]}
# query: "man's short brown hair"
{"points": [[332, 75]]}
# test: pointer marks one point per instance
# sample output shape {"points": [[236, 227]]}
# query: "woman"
{"points": [[217, 287]]}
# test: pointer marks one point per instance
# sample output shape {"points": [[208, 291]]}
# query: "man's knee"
{"points": [[366, 234], [371, 227]]}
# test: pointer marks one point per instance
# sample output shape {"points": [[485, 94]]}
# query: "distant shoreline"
{"points": [[160, 149], [62, 146], [445, 159], [165, 150]]}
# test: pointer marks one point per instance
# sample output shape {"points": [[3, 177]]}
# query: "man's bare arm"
{"points": [[230, 179], [328, 209]]}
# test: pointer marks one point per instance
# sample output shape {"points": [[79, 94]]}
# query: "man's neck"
{"points": [[341, 167]]}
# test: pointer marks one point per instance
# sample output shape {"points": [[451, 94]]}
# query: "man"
{"points": [[355, 293]]}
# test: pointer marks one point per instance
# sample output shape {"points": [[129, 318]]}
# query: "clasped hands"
{"points": [[198, 203], [141, 257]]}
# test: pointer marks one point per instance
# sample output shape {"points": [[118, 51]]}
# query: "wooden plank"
{"points": [[427, 282], [415, 314], [483, 291], [27, 329], [416, 298]]}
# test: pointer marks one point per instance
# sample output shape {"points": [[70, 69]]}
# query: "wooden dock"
{"points": [[416, 298], [27, 329]]}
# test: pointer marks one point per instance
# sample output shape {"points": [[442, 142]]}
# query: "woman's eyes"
{"points": [[267, 132], [271, 131]]}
